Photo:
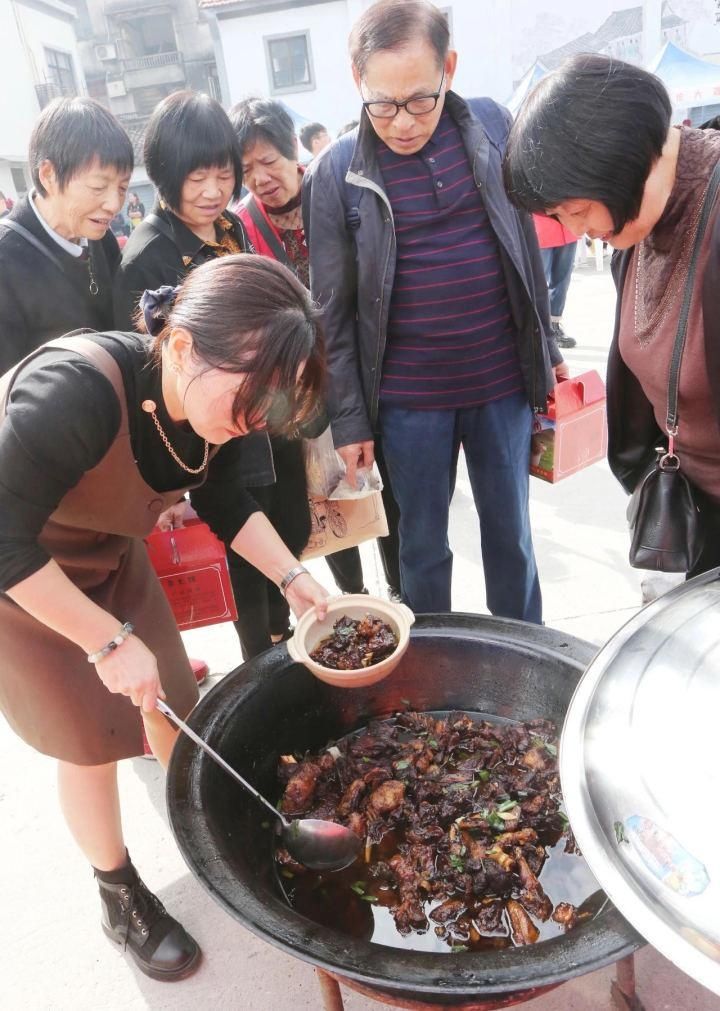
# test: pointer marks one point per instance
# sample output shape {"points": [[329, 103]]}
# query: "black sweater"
{"points": [[63, 416], [157, 255], [40, 301]]}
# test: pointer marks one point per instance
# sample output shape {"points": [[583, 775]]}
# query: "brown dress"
{"points": [[51, 696]]}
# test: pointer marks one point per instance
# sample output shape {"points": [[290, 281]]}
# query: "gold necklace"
{"points": [[149, 407]]}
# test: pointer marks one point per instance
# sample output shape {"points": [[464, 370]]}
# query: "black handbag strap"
{"points": [[161, 226], [268, 232], [679, 347], [29, 237]]}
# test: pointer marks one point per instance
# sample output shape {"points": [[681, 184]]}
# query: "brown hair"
{"points": [[250, 314], [392, 24]]}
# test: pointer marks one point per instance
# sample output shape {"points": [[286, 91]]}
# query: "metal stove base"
{"points": [[623, 993]]}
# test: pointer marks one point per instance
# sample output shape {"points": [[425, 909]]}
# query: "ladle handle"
{"points": [[165, 709]]}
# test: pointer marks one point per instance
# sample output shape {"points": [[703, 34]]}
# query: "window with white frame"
{"points": [[61, 72], [289, 62]]}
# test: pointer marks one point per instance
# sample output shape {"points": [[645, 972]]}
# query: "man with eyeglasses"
{"points": [[436, 309]]}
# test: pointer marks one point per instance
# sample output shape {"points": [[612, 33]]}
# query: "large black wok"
{"points": [[272, 706]]}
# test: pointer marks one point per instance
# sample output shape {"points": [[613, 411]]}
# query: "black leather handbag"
{"points": [[665, 511]]}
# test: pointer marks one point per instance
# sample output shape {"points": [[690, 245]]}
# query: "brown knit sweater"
{"points": [[658, 273]]}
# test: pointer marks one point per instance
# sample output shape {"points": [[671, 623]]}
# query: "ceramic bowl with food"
{"points": [[310, 632]]}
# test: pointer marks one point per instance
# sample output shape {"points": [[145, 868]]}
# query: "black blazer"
{"points": [[154, 256], [41, 299]]}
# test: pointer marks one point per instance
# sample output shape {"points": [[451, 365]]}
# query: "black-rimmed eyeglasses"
{"points": [[418, 106]]}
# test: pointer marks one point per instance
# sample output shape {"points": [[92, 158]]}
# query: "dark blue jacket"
{"points": [[351, 238]]}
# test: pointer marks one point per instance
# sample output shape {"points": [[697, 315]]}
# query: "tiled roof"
{"points": [[135, 129], [618, 25], [582, 44]]}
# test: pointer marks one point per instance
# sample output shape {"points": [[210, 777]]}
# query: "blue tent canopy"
{"points": [[526, 85], [689, 79], [296, 117]]}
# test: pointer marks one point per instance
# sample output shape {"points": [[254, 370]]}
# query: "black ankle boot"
{"points": [[136, 919]]}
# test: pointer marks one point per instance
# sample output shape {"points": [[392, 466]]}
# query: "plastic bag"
{"points": [[325, 472]]}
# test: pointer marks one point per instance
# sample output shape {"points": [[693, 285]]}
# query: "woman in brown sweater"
{"points": [[593, 147]]}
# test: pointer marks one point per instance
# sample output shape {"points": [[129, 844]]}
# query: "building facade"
{"points": [[135, 53], [296, 51], [40, 61], [621, 36]]}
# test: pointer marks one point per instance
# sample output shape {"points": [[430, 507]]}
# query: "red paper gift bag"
{"points": [[573, 432], [191, 565]]}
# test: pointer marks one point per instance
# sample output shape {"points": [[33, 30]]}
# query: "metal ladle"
{"points": [[320, 845]]}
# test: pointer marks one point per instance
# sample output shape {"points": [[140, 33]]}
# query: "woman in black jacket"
{"points": [[192, 157], [58, 255]]}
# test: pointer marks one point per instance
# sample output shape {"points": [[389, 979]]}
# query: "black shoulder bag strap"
{"points": [[30, 238], [268, 232], [671, 423], [161, 226]]}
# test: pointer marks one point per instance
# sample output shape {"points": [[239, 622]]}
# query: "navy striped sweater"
{"points": [[451, 338]]}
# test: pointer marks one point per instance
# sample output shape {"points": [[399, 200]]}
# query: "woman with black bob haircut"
{"points": [[192, 157], [608, 122], [593, 147], [99, 432]]}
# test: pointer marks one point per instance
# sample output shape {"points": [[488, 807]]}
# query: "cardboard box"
{"points": [[191, 564], [573, 433]]}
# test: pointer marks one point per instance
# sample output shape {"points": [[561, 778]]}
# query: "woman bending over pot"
{"points": [[100, 433], [593, 146]]}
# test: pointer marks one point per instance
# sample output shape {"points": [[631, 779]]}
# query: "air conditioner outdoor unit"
{"points": [[106, 52], [116, 89]]}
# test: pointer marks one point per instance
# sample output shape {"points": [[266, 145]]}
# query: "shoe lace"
{"points": [[142, 908]]}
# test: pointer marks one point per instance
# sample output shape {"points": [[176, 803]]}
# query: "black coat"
{"points": [[152, 258], [40, 300], [633, 431]]}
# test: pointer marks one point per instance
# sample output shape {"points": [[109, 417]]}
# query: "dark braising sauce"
{"points": [[356, 903]]}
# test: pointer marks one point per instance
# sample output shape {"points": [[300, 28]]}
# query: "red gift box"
{"points": [[191, 564], [573, 432]]}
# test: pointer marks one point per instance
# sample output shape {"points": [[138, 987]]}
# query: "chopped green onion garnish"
{"points": [[506, 805], [369, 898], [358, 887]]}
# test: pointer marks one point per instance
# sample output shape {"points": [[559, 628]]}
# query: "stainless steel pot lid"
{"points": [[640, 772]]}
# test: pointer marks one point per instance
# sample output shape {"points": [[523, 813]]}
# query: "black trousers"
{"points": [[262, 609]]}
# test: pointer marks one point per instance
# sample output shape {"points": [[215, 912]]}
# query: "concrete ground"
{"points": [[52, 953]]}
